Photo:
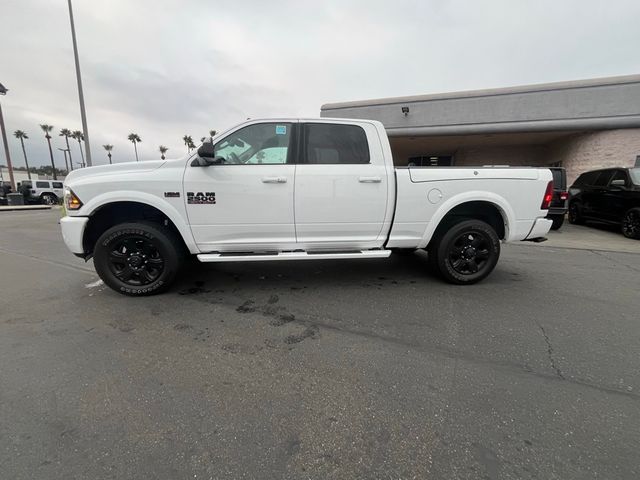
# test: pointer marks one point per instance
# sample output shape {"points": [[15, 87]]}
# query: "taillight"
{"points": [[564, 195], [71, 200], [548, 195]]}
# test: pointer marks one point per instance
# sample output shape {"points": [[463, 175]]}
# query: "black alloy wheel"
{"points": [[135, 261], [469, 252], [466, 253], [138, 258], [631, 224]]}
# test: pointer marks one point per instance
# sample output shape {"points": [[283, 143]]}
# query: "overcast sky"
{"points": [[165, 68]]}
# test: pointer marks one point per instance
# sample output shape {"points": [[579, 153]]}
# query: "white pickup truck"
{"points": [[296, 189]]}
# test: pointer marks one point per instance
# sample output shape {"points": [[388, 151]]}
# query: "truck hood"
{"points": [[118, 168]]}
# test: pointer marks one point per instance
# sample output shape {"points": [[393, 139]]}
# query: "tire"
{"points": [[138, 259], [575, 214], [466, 253], [631, 224], [48, 199], [557, 220]]}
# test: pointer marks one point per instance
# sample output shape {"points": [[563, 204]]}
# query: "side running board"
{"points": [[258, 257]]}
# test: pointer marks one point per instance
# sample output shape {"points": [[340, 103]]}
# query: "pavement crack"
{"points": [[550, 353]]}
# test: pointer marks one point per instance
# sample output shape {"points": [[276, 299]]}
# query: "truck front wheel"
{"points": [[137, 258], [466, 253]]}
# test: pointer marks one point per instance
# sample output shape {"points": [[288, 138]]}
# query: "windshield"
{"points": [[635, 175]]}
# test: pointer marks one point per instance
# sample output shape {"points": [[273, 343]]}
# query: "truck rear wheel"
{"points": [[466, 253], [137, 258]]}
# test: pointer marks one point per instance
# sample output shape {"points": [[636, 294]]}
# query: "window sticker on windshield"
{"points": [[281, 129]]}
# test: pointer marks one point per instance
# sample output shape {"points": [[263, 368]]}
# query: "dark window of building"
{"points": [[431, 161], [57, 184], [603, 178], [327, 143], [42, 184]]}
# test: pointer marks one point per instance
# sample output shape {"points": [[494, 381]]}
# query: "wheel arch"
{"points": [[489, 207], [127, 208]]}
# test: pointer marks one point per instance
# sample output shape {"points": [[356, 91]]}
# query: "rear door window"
{"points": [[42, 184], [331, 144], [57, 184], [603, 178]]}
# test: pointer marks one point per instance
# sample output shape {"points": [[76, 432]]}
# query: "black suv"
{"points": [[611, 196], [558, 205]]}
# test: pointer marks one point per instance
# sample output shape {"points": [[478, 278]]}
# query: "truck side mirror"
{"points": [[617, 184], [206, 151]]}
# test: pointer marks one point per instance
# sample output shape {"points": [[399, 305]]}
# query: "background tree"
{"points": [[20, 135], [162, 150], [135, 139], [188, 141], [108, 148], [66, 133], [212, 133], [46, 129], [79, 136]]}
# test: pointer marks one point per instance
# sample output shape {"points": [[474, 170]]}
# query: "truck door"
{"points": [[340, 187], [246, 201]]}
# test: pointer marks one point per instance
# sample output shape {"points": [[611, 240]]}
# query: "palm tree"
{"points": [[135, 138], [108, 148], [162, 150], [212, 133], [46, 129], [66, 133], [188, 141], [79, 136], [20, 135]]}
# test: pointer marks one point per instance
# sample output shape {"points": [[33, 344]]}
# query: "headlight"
{"points": [[71, 200]]}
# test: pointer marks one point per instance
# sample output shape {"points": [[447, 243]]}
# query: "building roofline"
{"points": [[541, 87]]}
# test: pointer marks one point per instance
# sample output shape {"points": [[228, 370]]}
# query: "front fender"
{"points": [[503, 206], [165, 207]]}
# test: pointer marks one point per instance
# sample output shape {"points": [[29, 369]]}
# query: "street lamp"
{"points": [[3, 91], [65, 150], [83, 113]]}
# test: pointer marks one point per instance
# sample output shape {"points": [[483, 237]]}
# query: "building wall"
{"points": [[595, 104], [589, 151], [521, 155]]}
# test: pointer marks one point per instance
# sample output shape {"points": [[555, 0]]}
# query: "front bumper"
{"points": [[540, 228], [73, 232]]}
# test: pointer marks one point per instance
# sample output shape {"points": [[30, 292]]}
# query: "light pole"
{"points": [[65, 150], [3, 91], [83, 113]]}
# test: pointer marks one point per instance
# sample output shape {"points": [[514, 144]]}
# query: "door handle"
{"points": [[274, 180], [370, 179]]}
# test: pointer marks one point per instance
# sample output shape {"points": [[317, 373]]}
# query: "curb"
{"points": [[16, 208]]}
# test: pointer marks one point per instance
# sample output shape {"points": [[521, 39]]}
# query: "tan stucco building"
{"points": [[579, 125]]}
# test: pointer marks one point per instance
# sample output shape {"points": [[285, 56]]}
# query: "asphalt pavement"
{"points": [[328, 369]]}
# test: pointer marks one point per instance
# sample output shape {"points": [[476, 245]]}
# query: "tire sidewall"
{"points": [[445, 267], [558, 221], [48, 199], [157, 237]]}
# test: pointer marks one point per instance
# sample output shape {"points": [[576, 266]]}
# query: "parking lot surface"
{"points": [[351, 369]]}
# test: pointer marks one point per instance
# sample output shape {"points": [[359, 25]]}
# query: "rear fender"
{"points": [[502, 205]]}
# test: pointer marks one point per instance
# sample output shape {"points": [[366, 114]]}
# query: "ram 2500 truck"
{"points": [[296, 189]]}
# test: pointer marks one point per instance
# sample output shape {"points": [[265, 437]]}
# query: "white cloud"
{"points": [[166, 68]]}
